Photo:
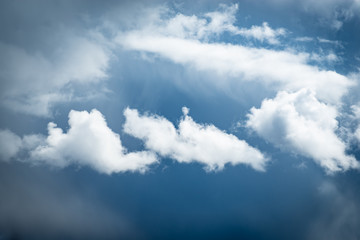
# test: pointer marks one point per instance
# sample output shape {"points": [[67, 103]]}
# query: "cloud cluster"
{"points": [[300, 123], [90, 142], [291, 120], [192, 142]]}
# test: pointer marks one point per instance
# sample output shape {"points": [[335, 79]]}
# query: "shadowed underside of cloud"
{"points": [[192, 142], [300, 123]]}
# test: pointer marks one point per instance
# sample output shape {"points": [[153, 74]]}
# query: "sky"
{"points": [[180, 119]]}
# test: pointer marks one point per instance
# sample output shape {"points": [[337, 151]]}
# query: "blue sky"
{"points": [[179, 119]]}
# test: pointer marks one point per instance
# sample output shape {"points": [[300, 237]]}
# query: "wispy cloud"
{"points": [[277, 69]]}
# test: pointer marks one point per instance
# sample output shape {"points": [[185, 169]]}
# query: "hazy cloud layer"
{"points": [[298, 122], [192, 142], [33, 82]]}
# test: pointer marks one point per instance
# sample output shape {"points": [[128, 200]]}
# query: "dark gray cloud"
{"points": [[338, 215], [42, 204]]}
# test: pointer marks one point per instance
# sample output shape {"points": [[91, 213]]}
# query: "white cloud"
{"points": [[280, 70], [300, 123], [33, 81], [263, 33], [89, 142], [204, 27], [191, 142]]}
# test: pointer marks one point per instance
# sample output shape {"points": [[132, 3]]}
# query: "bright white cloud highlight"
{"points": [[282, 70], [182, 39], [192, 142], [90, 142], [300, 123]]}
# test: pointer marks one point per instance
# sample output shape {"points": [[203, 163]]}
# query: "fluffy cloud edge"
{"points": [[192, 142], [298, 122]]}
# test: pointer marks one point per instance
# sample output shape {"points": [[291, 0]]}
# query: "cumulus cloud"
{"points": [[298, 122], [192, 142], [89, 142]]}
